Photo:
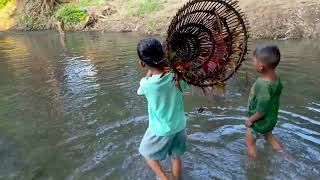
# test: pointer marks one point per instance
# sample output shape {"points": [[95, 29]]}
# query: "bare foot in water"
{"points": [[274, 142]]}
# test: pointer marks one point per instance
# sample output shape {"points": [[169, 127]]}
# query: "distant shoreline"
{"points": [[268, 19]]}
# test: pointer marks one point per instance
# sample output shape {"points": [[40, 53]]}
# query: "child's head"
{"points": [[266, 58], [151, 53]]}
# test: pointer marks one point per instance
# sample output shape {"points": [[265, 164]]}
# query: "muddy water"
{"points": [[69, 110]]}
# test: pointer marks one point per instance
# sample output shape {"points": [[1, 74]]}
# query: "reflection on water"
{"points": [[69, 110]]}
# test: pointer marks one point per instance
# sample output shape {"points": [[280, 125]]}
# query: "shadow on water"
{"points": [[69, 110]]}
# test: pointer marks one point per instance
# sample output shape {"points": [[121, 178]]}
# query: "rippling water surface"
{"points": [[69, 110]]}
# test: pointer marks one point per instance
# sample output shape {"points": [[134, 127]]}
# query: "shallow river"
{"points": [[69, 110]]}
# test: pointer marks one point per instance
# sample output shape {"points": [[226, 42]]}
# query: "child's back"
{"points": [[165, 104]]}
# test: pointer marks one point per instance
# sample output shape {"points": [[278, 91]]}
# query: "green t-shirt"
{"points": [[165, 104], [264, 98]]}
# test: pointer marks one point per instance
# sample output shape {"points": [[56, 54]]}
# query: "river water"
{"points": [[69, 110]]}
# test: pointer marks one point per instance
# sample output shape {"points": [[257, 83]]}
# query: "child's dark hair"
{"points": [[268, 55], [151, 52]]}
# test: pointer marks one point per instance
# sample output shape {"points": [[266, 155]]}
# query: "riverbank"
{"points": [[69, 110], [269, 19]]}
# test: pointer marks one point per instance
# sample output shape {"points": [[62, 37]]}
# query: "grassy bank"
{"points": [[273, 19]]}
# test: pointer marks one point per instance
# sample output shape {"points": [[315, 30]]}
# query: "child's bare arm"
{"points": [[256, 117]]}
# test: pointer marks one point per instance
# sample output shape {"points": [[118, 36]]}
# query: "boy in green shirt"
{"points": [[263, 103], [166, 132]]}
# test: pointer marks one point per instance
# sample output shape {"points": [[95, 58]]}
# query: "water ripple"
{"points": [[295, 115]]}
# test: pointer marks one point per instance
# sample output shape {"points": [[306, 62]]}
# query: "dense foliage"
{"points": [[70, 13], [3, 3]]}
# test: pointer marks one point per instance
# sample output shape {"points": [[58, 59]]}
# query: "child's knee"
{"points": [[175, 160], [268, 136], [253, 154], [248, 133], [249, 137]]}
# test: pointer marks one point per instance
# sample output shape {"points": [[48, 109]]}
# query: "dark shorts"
{"points": [[159, 147]]}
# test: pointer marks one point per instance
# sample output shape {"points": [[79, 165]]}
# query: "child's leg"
{"points": [[178, 148], [155, 148], [156, 167], [176, 168], [273, 141], [251, 144]]}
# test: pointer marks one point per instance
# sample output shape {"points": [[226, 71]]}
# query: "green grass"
{"points": [[143, 7], [71, 13], [3, 3]]}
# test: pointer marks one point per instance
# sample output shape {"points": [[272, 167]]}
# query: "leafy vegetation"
{"points": [[3, 3], [7, 11], [142, 7], [71, 13]]}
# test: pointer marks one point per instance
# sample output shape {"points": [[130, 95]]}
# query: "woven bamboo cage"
{"points": [[207, 41]]}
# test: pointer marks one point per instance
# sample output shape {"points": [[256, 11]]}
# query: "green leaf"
{"points": [[172, 55], [190, 74]]}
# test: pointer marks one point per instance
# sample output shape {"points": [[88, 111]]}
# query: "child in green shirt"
{"points": [[263, 103], [166, 132]]}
